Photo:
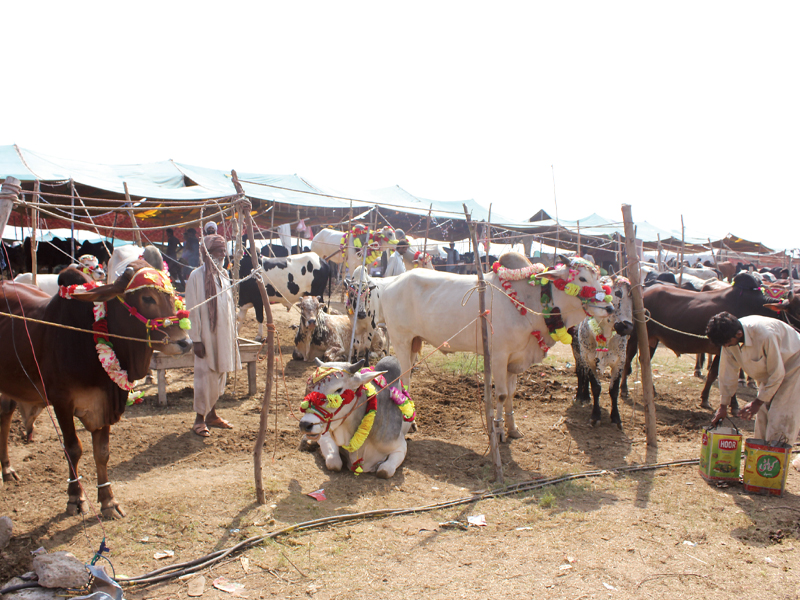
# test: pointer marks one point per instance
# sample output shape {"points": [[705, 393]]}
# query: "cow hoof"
{"points": [[698, 374], [384, 474], [10, 475], [114, 512], [77, 507], [594, 422], [619, 425], [514, 434], [259, 338], [307, 446]]}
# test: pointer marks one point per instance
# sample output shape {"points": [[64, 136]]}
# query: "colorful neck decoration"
{"points": [[327, 407], [602, 340], [374, 241]]}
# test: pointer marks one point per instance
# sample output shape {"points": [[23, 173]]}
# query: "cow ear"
{"points": [[554, 274], [355, 367], [365, 378], [104, 293]]}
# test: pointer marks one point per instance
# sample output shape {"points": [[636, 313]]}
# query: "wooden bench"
{"points": [[248, 351]]}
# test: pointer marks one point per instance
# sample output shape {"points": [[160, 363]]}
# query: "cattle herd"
{"points": [[358, 415]]}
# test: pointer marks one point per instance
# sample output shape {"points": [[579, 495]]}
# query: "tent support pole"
{"points": [[683, 247], [72, 222], [34, 223], [427, 230], [487, 361], [137, 233], [641, 329]]}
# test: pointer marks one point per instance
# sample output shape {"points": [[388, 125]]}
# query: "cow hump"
{"points": [[514, 260]]}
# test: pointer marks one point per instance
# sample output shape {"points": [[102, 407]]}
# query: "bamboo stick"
{"points": [[641, 328], [245, 207], [683, 248], [136, 234], [487, 361], [34, 224]]}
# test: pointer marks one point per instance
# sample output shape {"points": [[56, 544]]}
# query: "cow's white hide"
{"points": [[327, 243], [438, 308]]}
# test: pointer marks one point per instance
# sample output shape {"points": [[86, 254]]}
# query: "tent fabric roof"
{"points": [[172, 181]]}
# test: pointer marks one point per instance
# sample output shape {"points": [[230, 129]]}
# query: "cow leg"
{"points": [[713, 372], [242, 314], [388, 467], [330, 452], [630, 351], [511, 424], [109, 507], [596, 389], [613, 391], [698, 364], [259, 306], [76, 501], [7, 406], [404, 353]]}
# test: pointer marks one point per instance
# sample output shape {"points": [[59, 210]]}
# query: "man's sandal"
{"points": [[219, 423], [201, 429]]}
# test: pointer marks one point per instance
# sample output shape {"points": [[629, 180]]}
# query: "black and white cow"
{"points": [[600, 344], [287, 279], [360, 414]]}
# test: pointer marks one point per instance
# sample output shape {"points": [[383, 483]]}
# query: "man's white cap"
{"points": [[210, 227]]}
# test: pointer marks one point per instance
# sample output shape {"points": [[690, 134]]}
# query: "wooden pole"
{"points": [[579, 239], [427, 230], [272, 229], [488, 241], [487, 361], [660, 267], [245, 207], [72, 221], [641, 328], [714, 258], [34, 224], [683, 248], [136, 233], [9, 193]]}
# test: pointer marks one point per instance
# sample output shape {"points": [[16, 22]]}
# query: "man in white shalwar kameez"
{"points": [[213, 333], [395, 265], [769, 351]]}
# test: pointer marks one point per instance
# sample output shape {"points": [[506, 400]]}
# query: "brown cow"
{"points": [[42, 363], [727, 269], [673, 311]]}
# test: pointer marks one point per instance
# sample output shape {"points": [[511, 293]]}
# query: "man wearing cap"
{"points": [[213, 333], [769, 351], [395, 265]]}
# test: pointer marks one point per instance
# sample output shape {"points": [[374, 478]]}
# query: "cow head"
{"points": [[309, 308], [333, 391], [142, 304], [577, 290], [619, 288], [359, 294]]}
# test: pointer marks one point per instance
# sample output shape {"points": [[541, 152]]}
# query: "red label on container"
{"points": [[728, 444]]}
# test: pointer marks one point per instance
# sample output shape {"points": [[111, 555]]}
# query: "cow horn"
{"points": [[354, 368], [319, 362], [564, 259]]}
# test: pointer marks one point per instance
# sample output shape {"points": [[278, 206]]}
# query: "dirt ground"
{"points": [[660, 533]]}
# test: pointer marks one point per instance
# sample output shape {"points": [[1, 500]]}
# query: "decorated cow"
{"points": [[360, 414], [600, 344], [348, 247]]}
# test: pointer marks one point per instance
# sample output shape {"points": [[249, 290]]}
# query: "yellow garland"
{"points": [[407, 408], [361, 434]]}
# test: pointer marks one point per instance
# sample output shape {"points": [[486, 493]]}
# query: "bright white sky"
{"points": [[677, 108]]}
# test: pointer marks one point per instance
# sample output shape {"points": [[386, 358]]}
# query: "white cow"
{"points": [[600, 344], [419, 254], [701, 272], [439, 308], [49, 282], [339, 415], [122, 256], [328, 244]]}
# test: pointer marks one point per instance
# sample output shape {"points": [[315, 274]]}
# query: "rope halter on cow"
{"points": [[149, 277], [327, 407]]}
